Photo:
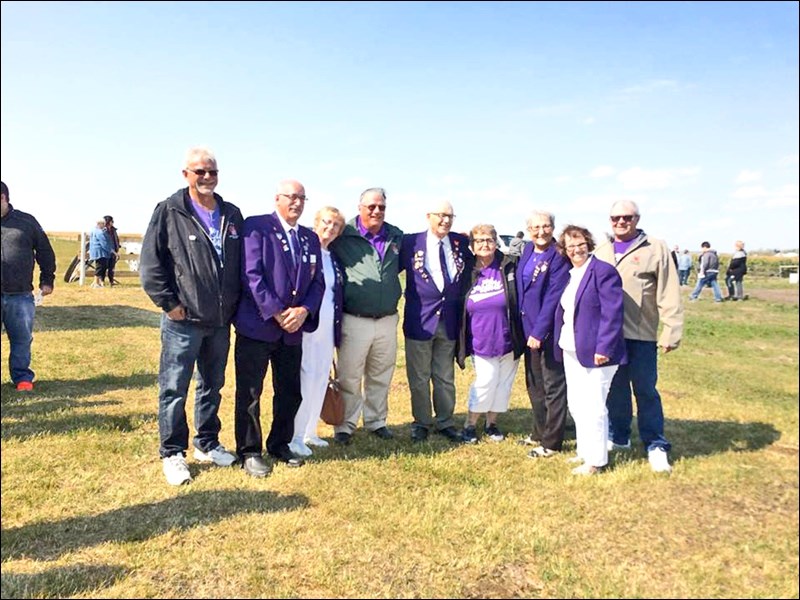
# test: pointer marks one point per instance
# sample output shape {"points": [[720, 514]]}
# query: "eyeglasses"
{"points": [[295, 197], [202, 172], [443, 216], [481, 241], [573, 247], [374, 207], [539, 227], [625, 218]]}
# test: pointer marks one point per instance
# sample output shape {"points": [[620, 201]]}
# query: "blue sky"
{"points": [[688, 108]]}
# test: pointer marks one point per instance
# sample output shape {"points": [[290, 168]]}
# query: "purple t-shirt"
{"points": [[378, 240], [621, 248], [486, 314], [211, 221]]}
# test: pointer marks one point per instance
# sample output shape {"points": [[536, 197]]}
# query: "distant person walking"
{"points": [[190, 268], [113, 237], [100, 252], [24, 243], [517, 244], [737, 269], [707, 274], [684, 267]]}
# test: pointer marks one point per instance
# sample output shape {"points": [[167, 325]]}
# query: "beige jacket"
{"points": [[652, 291]]}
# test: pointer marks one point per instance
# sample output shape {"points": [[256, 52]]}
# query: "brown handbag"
{"points": [[333, 404]]}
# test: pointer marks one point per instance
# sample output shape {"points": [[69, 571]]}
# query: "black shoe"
{"points": [[419, 434], [383, 433], [255, 466], [469, 435], [343, 438], [286, 456], [451, 434]]}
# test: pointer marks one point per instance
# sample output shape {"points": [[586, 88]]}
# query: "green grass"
{"points": [[86, 511]]}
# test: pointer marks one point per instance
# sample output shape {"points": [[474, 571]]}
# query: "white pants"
{"points": [[587, 390], [367, 358], [314, 371], [494, 378]]}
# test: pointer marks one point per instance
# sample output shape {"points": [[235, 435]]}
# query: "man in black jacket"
{"points": [[23, 242], [189, 267]]}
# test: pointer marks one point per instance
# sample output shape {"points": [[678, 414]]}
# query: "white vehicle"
{"points": [[503, 241]]}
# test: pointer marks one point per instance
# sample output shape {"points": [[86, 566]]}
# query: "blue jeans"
{"points": [[184, 344], [683, 276], [710, 280], [18, 311], [641, 373]]}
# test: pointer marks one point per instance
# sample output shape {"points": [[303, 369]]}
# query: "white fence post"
{"points": [[82, 254]]}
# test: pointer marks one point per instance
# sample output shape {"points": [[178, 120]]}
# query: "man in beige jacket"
{"points": [[652, 293]]}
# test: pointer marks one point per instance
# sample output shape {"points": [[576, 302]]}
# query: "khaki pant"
{"points": [[367, 358]]}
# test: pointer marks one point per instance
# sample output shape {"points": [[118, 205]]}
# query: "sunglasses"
{"points": [[202, 172], [373, 207], [625, 218]]}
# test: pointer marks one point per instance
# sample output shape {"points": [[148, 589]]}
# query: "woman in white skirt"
{"points": [[318, 346], [588, 332]]}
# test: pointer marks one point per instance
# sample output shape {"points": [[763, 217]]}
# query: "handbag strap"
{"points": [[335, 371]]}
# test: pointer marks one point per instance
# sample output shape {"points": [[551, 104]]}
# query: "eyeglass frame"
{"points": [[481, 241], [293, 197], [443, 216], [623, 218], [371, 207], [203, 172]]}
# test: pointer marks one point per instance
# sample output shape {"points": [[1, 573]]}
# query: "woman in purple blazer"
{"points": [[588, 330]]}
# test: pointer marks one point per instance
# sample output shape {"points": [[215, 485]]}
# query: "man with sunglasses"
{"points": [[652, 293], [437, 264], [189, 267], [369, 251]]}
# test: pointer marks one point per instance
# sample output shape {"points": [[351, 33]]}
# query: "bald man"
{"points": [[437, 264], [284, 284]]}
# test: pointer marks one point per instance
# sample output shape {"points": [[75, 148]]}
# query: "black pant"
{"points": [[252, 357], [547, 392], [112, 267]]}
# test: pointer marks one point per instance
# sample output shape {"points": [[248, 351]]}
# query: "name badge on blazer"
{"points": [[313, 259], [192, 237]]}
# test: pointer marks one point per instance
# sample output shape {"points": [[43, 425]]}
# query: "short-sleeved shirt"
{"points": [[487, 314]]}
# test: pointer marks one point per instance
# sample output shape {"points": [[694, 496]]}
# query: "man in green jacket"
{"points": [[369, 251]]}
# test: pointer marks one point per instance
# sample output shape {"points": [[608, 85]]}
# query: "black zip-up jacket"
{"points": [[508, 265], [23, 242], [178, 263]]}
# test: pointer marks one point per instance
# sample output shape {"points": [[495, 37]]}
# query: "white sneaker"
{"points": [[659, 461], [575, 460], [176, 470], [613, 447], [586, 469], [219, 456], [298, 448], [316, 441]]}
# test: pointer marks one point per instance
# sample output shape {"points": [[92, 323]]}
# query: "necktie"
{"points": [[443, 263], [295, 250]]}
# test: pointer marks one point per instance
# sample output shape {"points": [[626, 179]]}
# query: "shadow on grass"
{"points": [[61, 582], [63, 318], [48, 540], [67, 390], [703, 438], [33, 427]]}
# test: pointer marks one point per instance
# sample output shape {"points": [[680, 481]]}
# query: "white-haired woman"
{"points": [[319, 345]]}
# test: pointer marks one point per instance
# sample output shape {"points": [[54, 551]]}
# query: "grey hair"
{"points": [[379, 190], [630, 204], [540, 213], [199, 153]]}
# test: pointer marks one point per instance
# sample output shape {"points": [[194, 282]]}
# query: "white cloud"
{"points": [[638, 179], [562, 179], [748, 176], [355, 182], [750, 192], [789, 160], [649, 86], [588, 121], [602, 171], [552, 110]]}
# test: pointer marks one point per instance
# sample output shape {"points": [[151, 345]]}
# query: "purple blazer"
{"points": [[425, 303], [269, 288], [338, 300], [598, 317], [539, 295]]}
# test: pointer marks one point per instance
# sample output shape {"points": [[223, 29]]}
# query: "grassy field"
{"points": [[86, 511]]}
